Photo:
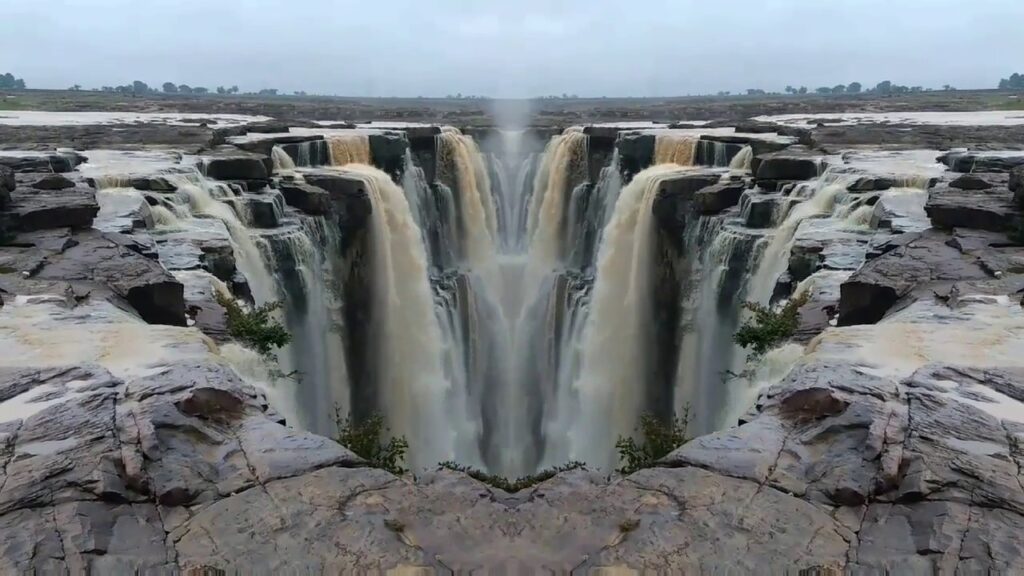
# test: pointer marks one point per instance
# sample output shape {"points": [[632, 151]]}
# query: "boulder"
{"points": [[42, 162], [230, 163], [310, 199], [758, 209], [990, 209], [260, 210], [719, 197], [793, 164], [921, 263], [52, 182], [971, 182], [32, 209]]}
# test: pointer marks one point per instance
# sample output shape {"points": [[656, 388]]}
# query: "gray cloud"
{"points": [[511, 48]]}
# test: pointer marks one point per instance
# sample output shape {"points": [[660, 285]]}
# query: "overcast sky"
{"points": [[511, 48]]}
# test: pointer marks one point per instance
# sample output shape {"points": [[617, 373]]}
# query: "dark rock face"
{"points": [[674, 202], [990, 208], [636, 152], [719, 197], [388, 153], [911, 263], [230, 163], [1016, 185], [871, 184], [310, 199], [793, 164], [7, 181], [349, 200], [52, 163], [759, 209]]}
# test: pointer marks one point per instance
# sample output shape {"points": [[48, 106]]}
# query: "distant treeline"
{"points": [[884, 88]]}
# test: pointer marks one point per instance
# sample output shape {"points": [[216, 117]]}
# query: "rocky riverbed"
{"points": [[135, 436]]}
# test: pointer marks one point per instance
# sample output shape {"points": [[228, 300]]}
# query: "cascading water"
{"points": [[349, 149], [461, 165], [617, 350], [675, 149], [409, 379], [563, 168], [742, 160], [282, 161]]}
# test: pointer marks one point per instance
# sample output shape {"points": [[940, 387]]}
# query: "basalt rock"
{"points": [[793, 164], [990, 208], [971, 182], [388, 152], [52, 182], [310, 199], [967, 162], [674, 202], [349, 200], [911, 263], [719, 197], [230, 163], [636, 152], [31, 209]]}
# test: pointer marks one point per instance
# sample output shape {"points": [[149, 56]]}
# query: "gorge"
{"points": [[512, 298]]}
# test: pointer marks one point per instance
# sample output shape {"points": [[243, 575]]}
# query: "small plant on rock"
{"points": [[256, 327], [769, 327], [365, 438], [657, 440], [511, 486]]}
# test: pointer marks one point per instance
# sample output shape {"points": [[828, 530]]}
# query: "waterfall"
{"points": [[742, 160], [563, 168], [349, 149], [813, 199], [618, 339], [461, 165], [282, 161], [675, 149], [415, 396], [204, 198]]}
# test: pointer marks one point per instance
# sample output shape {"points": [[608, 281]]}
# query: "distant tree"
{"points": [[184, 89], [823, 90], [125, 89], [140, 87], [9, 82], [724, 93], [107, 89], [200, 90], [790, 90], [233, 90], [1014, 82], [76, 88], [853, 88], [300, 92], [170, 87], [803, 90], [884, 87], [268, 92], [755, 92], [838, 89], [221, 90], [916, 89], [948, 88]]}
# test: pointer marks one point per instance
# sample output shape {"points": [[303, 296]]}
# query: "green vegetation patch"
{"points": [[769, 327], [256, 327], [657, 440], [365, 438]]}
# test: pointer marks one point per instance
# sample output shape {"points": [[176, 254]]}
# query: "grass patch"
{"points": [[657, 440], [511, 486], [365, 438], [769, 327], [256, 327]]}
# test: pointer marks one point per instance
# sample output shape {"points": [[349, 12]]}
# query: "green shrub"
{"points": [[255, 328], [658, 440], [768, 328], [502, 483], [365, 439]]}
